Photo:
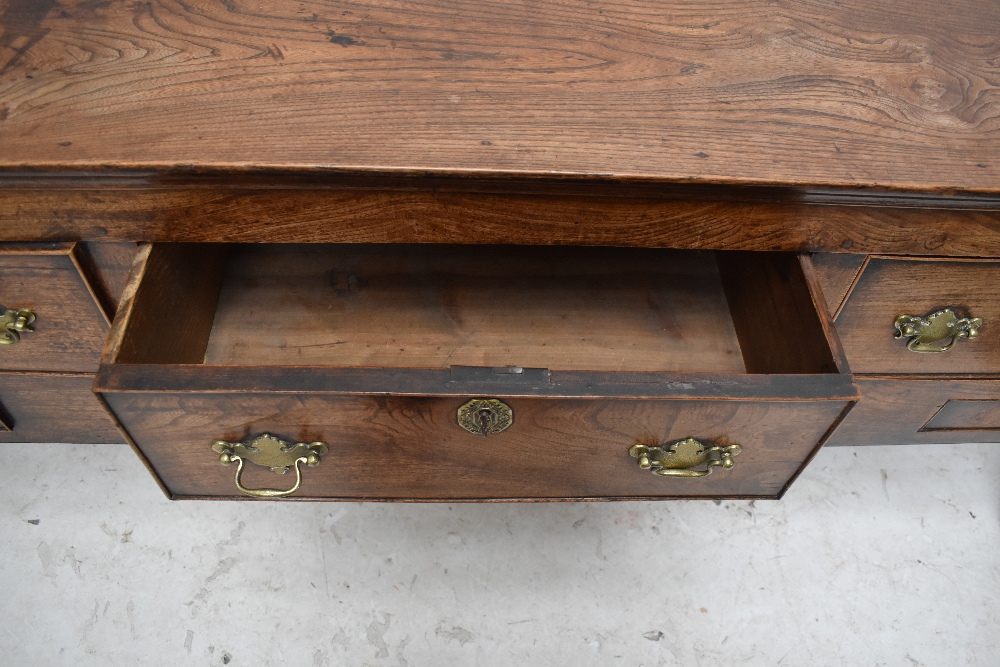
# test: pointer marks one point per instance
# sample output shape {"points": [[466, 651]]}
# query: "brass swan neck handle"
{"points": [[685, 458], [13, 323], [271, 452], [937, 331]]}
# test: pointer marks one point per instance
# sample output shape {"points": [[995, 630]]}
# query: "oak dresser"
{"points": [[477, 250]]}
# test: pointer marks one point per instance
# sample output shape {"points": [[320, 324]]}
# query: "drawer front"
{"points": [[903, 411], [412, 448], [889, 288], [69, 328], [43, 407]]}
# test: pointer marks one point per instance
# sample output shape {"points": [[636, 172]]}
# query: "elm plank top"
{"points": [[896, 94]]}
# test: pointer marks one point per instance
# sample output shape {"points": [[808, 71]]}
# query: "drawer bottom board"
{"points": [[411, 448]]}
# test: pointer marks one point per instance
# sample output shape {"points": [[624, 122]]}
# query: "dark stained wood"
{"points": [[915, 410], [269, 286], [596, 309], [962, 414], [836, 273], [890, 287], [109, 180], [70, 328], [37, 248], [53, 407], [169, 304], [819, 309], [331, 215], [402, 440], [276, 295], [836, 126], [781, 326], [411, 447], [833, 93], [106, 267], [464, 381], [819, 445]]}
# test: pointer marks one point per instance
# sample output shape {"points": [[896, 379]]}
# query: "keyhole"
{"points": [[485, 418]]}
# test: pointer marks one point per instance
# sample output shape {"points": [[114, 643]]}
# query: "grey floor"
{"points": [[877, 556]]}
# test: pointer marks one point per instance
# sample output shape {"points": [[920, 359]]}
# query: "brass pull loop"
{"points": [[683, 458], [923, 332], [268, 493], [270, 452], [13, 323]]}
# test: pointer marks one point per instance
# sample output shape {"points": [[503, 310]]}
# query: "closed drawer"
{"points": [[49, 407], [901, 411], [889, 288], [69, 327], [374, 351]]}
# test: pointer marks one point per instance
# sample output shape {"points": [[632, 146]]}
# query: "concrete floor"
{"points": [[877, 556]]}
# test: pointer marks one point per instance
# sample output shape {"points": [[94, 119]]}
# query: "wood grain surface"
{"points": [[168, 304], [165, 324], [254, 210], [70, 327], [897, 94], [779, 314], [915, 410], [470, 380], [962, 414], [412, 447], [106, 267], [836, 273], [597, 309], [889, 287], [53, 407]]}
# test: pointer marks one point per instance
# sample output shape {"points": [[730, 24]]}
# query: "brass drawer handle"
{"points": [[682, 458], [924, 332], [15, 323], [270, 452]]}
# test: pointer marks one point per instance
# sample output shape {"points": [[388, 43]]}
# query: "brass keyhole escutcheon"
{"points": [[485, 416]]}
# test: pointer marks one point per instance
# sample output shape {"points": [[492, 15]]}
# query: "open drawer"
{"points": [[472, 372]]}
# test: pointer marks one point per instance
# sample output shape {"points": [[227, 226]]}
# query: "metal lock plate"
{"points": [[485, 416]]}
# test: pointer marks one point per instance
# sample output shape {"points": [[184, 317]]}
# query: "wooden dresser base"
{"points": [[625, 195]]}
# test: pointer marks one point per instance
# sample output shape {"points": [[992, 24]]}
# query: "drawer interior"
{"points": [[437, 307]]}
